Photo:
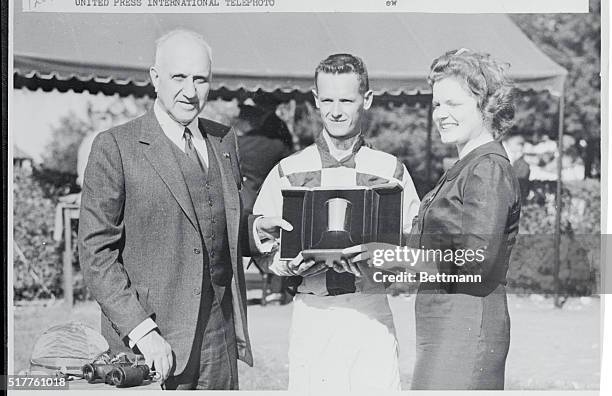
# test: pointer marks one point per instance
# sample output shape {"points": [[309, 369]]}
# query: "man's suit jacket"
{"points": [[139, 242]]}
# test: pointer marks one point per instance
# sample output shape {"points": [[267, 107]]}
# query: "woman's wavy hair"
{"points": [[486, 79]]}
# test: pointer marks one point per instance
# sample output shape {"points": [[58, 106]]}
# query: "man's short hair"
{"points": [[182, 32], [345, 63]]}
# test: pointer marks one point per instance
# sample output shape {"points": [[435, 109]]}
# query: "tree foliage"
{"points": [[37, 265], [60, 158], [574, 42], [61, 152]]}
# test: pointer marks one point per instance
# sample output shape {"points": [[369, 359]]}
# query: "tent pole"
{"points": [[558, 203], [428, 148]]}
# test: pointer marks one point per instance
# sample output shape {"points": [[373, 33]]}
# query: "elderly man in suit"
{"points": [[161, 229]]}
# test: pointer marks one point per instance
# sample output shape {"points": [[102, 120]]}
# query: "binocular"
{"points": [[120, 374]]}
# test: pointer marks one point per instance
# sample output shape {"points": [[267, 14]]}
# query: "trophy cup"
{"points": [[337, 235]]}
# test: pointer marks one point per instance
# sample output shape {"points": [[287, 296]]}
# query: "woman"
{"points": [[467, 226], [463, 329]]}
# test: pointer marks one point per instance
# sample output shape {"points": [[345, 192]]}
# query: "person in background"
{"points": [[101, 119], [263, 140], [514, 145]]}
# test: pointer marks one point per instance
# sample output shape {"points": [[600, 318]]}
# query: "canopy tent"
{"points": [[273, 52], [270, 52]]}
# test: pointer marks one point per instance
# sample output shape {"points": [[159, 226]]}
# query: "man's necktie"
{"points": [[191, 151]]}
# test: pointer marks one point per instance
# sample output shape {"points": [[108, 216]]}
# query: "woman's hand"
{"points": [[393, 258], [352, 258]]}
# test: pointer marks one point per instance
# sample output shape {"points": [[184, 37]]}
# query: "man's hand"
{"points": [[354, 256], [309, 267], [157, 353], [268, 228]]}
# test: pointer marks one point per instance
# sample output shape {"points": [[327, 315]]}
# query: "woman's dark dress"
{"points": [[463, 329]]}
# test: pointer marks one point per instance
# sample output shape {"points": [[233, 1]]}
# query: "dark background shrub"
{"points": [[532, 262]]}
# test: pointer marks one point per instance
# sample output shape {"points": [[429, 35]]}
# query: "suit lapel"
{"points": [[159, 153]]}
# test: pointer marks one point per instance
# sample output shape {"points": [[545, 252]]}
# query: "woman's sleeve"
{"points": [[488, 197]]}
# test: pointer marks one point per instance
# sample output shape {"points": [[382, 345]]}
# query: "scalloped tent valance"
{"points": [[272, 52]]}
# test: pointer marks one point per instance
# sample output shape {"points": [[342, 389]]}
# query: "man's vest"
{"points": [[207, 197]]}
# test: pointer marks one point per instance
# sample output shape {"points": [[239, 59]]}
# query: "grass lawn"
{"points": [[549, 349]]}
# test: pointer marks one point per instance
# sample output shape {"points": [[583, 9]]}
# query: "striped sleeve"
{"points": [[269, 203], [411, 200]]}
